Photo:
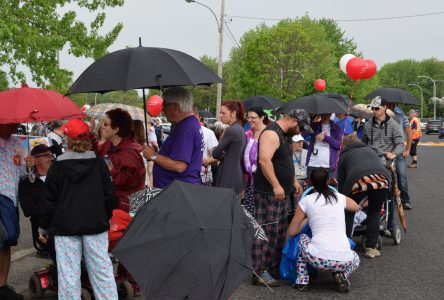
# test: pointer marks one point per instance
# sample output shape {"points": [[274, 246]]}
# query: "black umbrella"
{"points": [[265, 102], [319, 104], [189, 242], [206, 114], [394, 95], [143, 67]]}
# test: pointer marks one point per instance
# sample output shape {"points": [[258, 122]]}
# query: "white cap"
{"points": [[297, 138]]}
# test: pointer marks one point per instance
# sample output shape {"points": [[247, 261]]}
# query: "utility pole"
{"points": [[219, 59]]}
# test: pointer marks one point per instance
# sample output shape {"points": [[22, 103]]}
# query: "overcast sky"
{"points": [[191, 28]]}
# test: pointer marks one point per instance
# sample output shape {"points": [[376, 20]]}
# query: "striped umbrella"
{"points": [[99, 110]]}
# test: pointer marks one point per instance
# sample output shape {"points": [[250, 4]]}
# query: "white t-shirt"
{"points": [[300, 164], [321, 151], [327, 223], [210, 141]]}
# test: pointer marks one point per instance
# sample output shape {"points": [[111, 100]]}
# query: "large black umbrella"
{"points": [[143, 67], [394, 95], [206, 114], [189, 242], [265, 102], [318, 104]]}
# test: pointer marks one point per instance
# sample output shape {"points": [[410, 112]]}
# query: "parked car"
{"points": [[423, 123], [433, 126], [441, 132]]}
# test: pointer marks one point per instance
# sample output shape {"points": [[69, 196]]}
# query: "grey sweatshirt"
{"points": [[383, 138]]}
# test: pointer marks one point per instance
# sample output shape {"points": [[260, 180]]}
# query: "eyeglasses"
{"points": [[166, 104], [375, 108], [44, 155], [252, 118]]}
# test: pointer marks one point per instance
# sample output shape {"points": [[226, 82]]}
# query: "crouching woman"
{"points": [[78, 203], [329, 248]]}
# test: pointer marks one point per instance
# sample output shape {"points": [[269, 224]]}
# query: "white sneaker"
{"points": [[372, 252]]}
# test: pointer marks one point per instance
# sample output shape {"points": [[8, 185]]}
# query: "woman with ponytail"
{"points": [[329, 248], [231, 146]]}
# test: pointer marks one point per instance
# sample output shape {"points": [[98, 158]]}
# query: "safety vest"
{"points": [[418, 133]]}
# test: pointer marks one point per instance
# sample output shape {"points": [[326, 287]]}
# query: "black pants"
{"points": [[376, 199]]}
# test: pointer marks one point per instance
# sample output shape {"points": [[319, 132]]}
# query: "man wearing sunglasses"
{"points": [[383, 134], [30, 192]]}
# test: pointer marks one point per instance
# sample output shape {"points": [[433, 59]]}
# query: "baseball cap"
{"points": [[303, 119], [378, 101], [76, 129], [297, 138], [39, 150]]}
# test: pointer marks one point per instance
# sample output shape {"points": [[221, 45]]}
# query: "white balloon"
{"points": [[344, 61]]}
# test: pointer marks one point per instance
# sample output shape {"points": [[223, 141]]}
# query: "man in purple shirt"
{"points": [[181, 154]]}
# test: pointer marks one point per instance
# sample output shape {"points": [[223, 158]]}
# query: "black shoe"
{"points": [[300, 287], [8, 293], [342, 282], [407, 206]]}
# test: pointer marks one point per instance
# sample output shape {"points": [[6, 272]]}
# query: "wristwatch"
{"points": [[153, 157]]}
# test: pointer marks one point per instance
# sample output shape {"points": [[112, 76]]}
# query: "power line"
{"points": [[229, 30], [350, 20]]}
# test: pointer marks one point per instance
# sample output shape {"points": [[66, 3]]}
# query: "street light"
{"points": [[220, 28], [422, 98], [434, 94]]}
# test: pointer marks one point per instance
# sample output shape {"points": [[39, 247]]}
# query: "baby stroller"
{"points": [[46, 278]]}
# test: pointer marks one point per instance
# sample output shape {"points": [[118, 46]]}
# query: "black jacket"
{"points": [[30, 195], [356, 161], [79, 196]]}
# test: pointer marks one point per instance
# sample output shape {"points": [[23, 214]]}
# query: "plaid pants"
{"points": [[271, 214]]}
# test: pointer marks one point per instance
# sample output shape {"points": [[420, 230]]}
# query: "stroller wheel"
{"points": [[396, 235], [379, 245], [85, 295], [126, 291], [35, 287]]}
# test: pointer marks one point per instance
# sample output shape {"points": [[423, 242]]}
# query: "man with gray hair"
{"points": [[181, 155], [274, 181]]}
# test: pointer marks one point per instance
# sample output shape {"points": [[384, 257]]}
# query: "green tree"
{"points": [[34, 32], [4, 84], [284, 61], [130, 97], [399, 74]]}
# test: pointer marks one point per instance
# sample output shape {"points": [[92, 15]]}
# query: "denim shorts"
{"points": [[9, 223]]}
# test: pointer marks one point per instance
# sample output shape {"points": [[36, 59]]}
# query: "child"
{"points": [[79, 199]]}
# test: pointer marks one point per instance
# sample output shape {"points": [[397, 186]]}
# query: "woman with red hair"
{"points": [[231, 146]]}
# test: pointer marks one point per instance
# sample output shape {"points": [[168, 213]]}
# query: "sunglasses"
{"points": [[375, 108], [44, 155]]}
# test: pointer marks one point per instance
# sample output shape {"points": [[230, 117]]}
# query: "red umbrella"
{"points": [[27, 104]]}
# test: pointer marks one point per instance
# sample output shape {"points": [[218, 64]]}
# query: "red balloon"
{"points": [[320, 85], [356, 67], [370, 70], [154, 105]]}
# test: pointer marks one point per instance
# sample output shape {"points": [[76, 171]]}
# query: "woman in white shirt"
{"points": [[329, 248]]}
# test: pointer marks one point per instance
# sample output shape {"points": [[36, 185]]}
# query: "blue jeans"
{"points": [[402, 179]]}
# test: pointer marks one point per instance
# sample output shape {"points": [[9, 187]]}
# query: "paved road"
{"points": [[412, 270]]}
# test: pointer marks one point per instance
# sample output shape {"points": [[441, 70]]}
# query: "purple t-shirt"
{"points": [[185, 143]]}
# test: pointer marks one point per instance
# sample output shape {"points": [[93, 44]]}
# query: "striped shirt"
{"points": [[370, 182]]}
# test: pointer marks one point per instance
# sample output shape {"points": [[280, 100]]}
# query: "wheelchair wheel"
{"points": [[126, 291], [396, 235], [35, 287], [85, 295]]}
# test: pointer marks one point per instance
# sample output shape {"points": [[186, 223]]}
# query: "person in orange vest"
{"points": [[416, 134]]}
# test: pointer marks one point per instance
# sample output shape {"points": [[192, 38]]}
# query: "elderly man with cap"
{"points": [[31, 192], [274, 180], [11, 168], [416, 135], [384, 136]]}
